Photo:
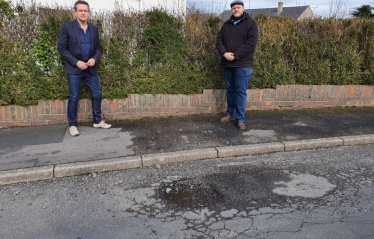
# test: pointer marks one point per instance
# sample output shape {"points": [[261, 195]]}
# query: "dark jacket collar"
{"points": [[245, 16]]}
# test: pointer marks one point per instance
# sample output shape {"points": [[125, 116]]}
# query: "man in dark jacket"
{"points": [[79, 45], [236, 44]]}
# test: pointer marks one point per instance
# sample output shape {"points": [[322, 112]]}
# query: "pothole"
{"points": [[246, 187], [194, 195]]}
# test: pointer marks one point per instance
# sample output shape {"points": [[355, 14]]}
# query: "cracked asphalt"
{"points": [[323, 193]]}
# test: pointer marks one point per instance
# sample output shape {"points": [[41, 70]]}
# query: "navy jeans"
{"points": [[237, 80], [92, 82]]}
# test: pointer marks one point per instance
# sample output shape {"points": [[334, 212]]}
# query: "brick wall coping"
{"points": [[135, 106]]}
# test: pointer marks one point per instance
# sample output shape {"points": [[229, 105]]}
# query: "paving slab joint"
{"points": [[141, 160], [217, 152], [284, 150]]}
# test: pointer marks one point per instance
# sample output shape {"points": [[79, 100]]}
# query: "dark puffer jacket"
{"points": [[241, 39]]}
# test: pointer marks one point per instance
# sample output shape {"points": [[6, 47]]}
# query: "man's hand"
{"points": [[81, 65], [229, 56], [91, 62]]}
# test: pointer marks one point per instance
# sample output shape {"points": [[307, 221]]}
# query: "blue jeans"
{"points": [[237, 80], [92, 81]]}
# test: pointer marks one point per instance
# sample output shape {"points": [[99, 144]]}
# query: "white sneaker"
{"points": [[73, 131], [103, 125]]}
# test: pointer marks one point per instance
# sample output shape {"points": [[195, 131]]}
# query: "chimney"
{"points": [[280, 7]]}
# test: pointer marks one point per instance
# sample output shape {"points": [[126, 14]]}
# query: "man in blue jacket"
{"points": [[236, 44], [79, 45]]}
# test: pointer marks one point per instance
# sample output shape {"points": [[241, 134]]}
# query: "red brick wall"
{"points": [[211, 101]]}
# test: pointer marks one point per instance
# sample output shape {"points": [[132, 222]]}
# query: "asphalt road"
{"points": [[324, 193]]}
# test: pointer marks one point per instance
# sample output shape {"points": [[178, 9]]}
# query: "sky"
{"points": [[324, 8]]}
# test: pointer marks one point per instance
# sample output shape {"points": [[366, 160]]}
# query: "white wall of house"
{"points": [[175, 6], [307, 14]]}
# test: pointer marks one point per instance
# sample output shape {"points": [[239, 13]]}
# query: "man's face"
{"points": [[237, 10], [82, 12]]}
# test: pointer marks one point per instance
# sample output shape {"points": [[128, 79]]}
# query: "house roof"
{"points": [[294, 12]]}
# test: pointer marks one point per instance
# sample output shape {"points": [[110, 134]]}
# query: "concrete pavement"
{"points": [[45, 152]]}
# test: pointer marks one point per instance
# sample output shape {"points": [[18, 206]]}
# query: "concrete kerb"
{"points": [[122, 163], [242, 150], [358, 139], [26, 175], [180, 156], [97, 166], [312, 144]]}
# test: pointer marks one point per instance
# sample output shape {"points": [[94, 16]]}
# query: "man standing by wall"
{"points": [[236, 44], [79, 45]]}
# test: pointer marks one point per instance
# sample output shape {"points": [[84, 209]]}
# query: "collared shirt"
{"points": [[85, 40], [235, 22]]}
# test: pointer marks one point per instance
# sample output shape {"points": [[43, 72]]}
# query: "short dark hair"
{"points": [[81, 2]]}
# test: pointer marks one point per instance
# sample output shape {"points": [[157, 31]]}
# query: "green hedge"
{"points": [[156, 53]]}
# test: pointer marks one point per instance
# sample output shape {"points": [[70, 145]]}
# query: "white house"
{"points": [[174, 6]]}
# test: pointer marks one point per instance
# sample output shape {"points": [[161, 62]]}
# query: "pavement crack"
{"points": [[301, 226]]}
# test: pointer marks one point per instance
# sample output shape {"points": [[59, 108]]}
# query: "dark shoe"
{"points": [[241, 125], [227, 118]]}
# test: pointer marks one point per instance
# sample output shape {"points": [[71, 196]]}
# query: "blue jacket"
{"points": [[69, 47]]}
